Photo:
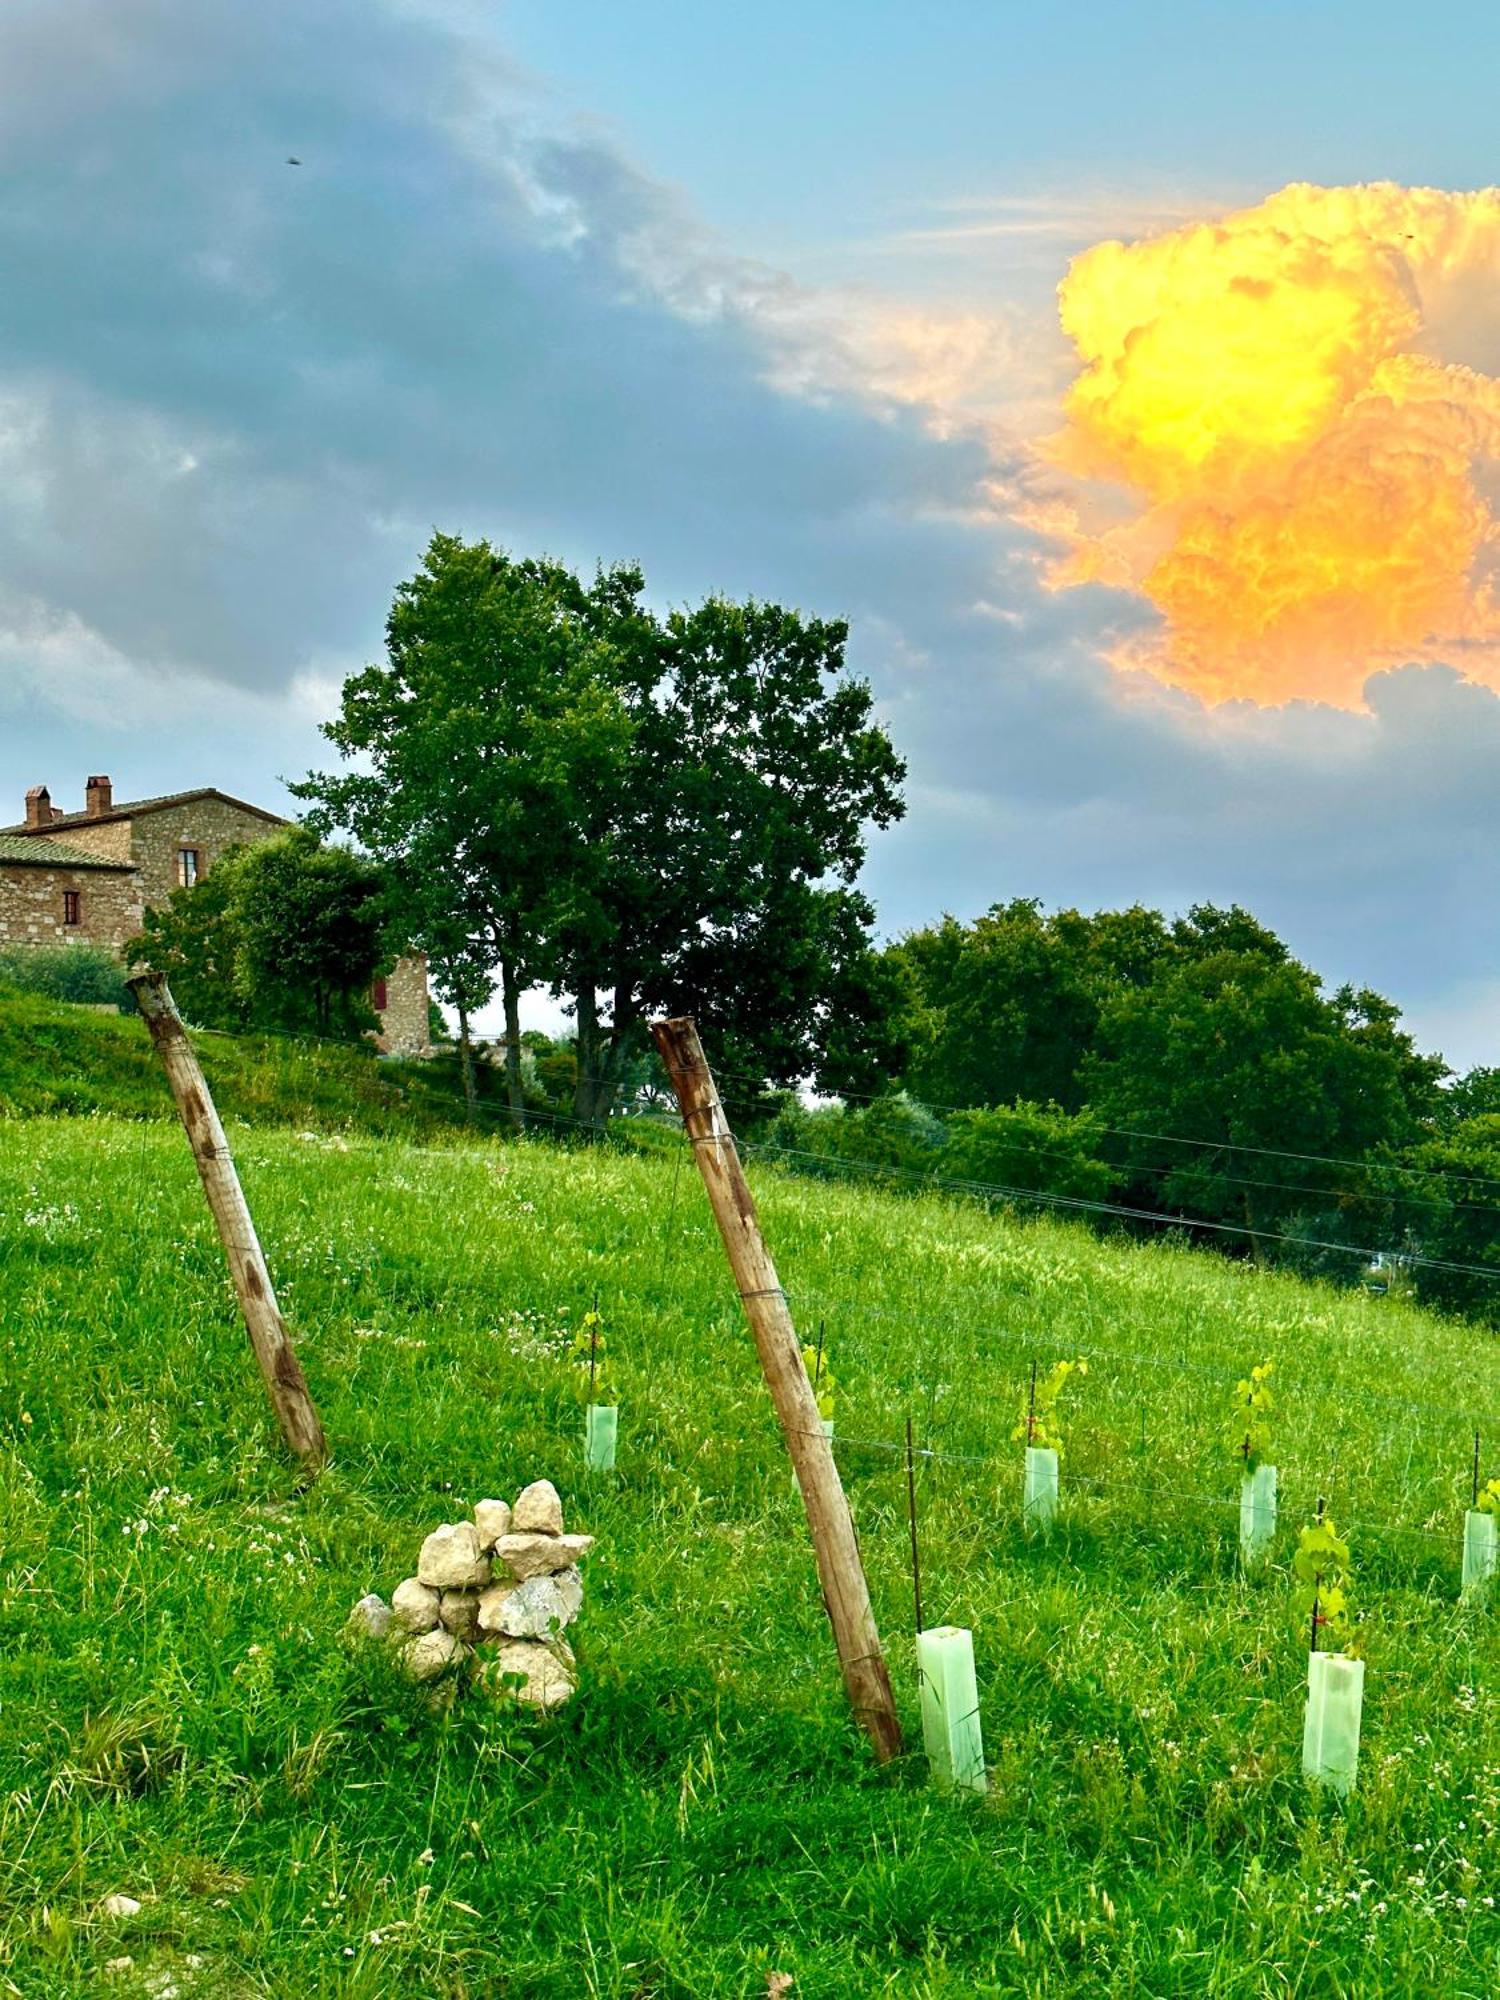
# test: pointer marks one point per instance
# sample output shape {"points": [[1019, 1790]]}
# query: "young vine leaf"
{"points": [[1038, 1424], [1321, 1598], [1250, 1418], [821, 1377], [589, 1357]]}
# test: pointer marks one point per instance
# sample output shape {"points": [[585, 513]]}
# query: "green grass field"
{"points": [[77, 1061], [180, 1722]]}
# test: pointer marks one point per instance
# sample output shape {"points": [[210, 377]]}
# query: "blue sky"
{"points": [[763, 298]]}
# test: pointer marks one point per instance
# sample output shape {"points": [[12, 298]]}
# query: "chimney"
{"points": [[97, 795], [38, 806]]}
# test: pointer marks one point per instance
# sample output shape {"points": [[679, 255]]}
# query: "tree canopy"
{"points": [[287, 934], [641, 813]]}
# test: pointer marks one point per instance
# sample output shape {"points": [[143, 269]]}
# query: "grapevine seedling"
{"points": [[1038, 1425], [1485, 1499], [589, 1351], [821, 1376], [1251, 1418], [1320, 1601]]}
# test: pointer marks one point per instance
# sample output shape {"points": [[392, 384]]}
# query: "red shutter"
{"points": [[377, 996]]}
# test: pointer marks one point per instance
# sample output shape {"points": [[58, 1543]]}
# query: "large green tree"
{"points": [[643, 814], [1005, 1009], [485, 750], [286, 934], [1212, 1076]]}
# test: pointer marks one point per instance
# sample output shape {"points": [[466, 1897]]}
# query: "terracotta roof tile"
{"points": [[35, 853]]}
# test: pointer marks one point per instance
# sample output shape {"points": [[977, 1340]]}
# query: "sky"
{"points": [[1126, 376]]}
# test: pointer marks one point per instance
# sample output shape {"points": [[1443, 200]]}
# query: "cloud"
{"points": [[1304, 459], [236, 396]]}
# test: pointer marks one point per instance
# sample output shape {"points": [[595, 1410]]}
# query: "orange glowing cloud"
{"points": [[1284, 397]]}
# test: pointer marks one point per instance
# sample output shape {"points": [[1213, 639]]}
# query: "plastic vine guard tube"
{"points": [[950, 1707], [1330, 1732], [1257, 1513], [1041, 1486], [599, 1438], [1481, 1556]]}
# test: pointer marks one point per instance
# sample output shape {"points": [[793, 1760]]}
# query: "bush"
{"points": [[1030, 1147], [85, 974], [891, 1133]]}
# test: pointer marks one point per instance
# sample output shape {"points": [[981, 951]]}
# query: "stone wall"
{"points": [[210, 825], [31, 905], [403, 1019]]}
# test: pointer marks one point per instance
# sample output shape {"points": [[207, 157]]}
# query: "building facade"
{"points": [[91, 876]]}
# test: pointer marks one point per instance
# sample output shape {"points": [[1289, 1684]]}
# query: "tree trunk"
{"points": [[515, 1082], [602, 1056], [586, 1010], [466, 1063]]}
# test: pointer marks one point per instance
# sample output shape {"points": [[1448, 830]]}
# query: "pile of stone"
{"points": [[493, 1595]]}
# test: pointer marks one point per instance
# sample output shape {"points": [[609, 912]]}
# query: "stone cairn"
{"points": [[497, 1591]]}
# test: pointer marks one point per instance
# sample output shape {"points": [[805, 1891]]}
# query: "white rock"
{"points": [[120, 1906], [371, 1617], [538, 1510], [547, 1673], [414, 1607], [459, 1612], [431, 1654], [491, 1521], [451, 1559], [536, 1609], [119, 1964], [540, 1555]]}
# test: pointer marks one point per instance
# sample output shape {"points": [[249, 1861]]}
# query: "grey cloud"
{"points": [[235, 396]]}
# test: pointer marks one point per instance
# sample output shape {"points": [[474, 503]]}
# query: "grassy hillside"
{"points": [[179, 1721], [59, 1058]]}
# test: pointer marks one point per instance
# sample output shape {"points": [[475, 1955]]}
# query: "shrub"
{"points": [[1029, 1147], [85, 974]]}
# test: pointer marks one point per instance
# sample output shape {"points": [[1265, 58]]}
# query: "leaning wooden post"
{"points": [[285, 1382], [839, 1568]]}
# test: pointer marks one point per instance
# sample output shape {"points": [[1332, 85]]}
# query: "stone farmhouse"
{"points": [[90, 876]]}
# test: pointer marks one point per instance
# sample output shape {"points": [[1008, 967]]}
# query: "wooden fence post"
{"points": [[285, 1382], [840, 1570]]}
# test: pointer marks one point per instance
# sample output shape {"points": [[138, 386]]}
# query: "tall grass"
{"points": [[180, 1722]]}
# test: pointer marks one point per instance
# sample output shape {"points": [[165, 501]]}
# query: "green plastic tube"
{"points": [[1257, 1514], [950, 1707], [1481, 1557], [1040, 1508], [600, 1435], [1330, 1730]]}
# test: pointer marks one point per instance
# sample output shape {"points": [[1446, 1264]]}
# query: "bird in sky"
{"points": [[292, 160]]}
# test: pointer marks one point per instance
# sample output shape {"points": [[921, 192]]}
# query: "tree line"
{"points": [[549, 784]]}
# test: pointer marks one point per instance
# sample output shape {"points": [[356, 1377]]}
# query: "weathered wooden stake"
{"points": [[840, 1570], [285, 1382]]}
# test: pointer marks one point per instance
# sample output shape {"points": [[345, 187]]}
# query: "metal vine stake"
{"points": [[911, 1517], [1474, 1490], [594, 1347], [1031, 1409]]}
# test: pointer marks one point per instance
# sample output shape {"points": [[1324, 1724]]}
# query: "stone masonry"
{"points": [[34, 886], [90, 876]]}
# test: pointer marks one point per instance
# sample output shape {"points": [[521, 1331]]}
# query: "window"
{"points": [[189, 866], [378, 996], [72, 907]]}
